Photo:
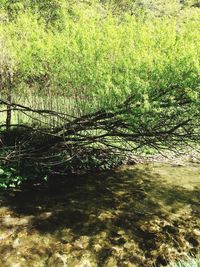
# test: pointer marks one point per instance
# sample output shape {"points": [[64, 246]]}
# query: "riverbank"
{"points": [[86, 161], [169, 157]]}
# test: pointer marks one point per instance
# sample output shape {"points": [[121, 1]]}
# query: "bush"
{"points": [[97, 56]]}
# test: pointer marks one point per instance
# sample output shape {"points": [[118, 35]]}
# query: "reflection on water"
{"points": [[138, 216]]}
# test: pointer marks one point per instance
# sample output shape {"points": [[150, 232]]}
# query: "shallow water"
{"points": [[135, 216]]}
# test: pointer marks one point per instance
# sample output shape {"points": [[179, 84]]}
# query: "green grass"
{"points": [[58, 103], [190, 262]]}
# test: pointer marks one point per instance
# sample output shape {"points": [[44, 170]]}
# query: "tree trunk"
{"points": [[9, 99]]}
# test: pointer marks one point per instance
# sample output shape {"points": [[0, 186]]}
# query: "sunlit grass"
{"points": [[60, 104], [190, 262]]}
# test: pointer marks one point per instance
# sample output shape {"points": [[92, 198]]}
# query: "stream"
{"points": [[140, 215]]}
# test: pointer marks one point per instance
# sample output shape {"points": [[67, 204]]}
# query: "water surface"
{"points": [[135, 216]]}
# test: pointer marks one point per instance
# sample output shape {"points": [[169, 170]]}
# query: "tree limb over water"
{"points": [[126, 128], [129, 80]]}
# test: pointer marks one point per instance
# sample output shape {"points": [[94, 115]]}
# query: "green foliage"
{"points": [[9, 177], [97, 56]]}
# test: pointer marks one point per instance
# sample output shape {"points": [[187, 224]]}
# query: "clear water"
{"points": [[142, 215]]}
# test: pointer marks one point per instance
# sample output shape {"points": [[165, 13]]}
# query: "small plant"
{"points": [[9, 178]]}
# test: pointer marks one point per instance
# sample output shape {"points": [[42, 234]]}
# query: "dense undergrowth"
{"points": [[130, 67], [91, 55]]}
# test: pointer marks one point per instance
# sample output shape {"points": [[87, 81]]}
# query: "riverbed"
{"points": [[141, 215]]}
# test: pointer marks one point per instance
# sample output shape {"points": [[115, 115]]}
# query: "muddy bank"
{"points": [[138, 216]]}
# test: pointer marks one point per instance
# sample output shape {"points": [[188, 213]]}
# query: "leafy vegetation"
{"points": [[100, 57], [83, 86], [127, 73], [9, 178]]}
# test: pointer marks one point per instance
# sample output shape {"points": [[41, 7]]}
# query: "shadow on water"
{"points": [[131, 217]]}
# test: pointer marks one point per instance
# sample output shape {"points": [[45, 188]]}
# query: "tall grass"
{"points": [[61, 104]]}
